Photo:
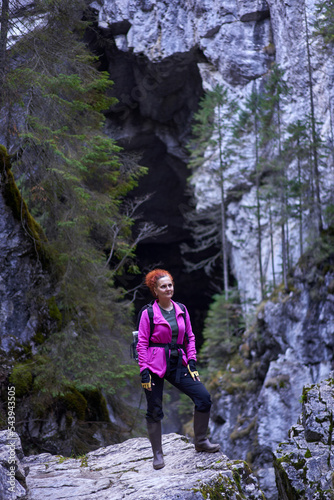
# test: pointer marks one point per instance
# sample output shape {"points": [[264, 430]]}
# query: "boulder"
{"points": [[12, 471], [304, 463]]}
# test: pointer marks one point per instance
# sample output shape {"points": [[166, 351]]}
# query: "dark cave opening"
{"points": [[152, 120]]}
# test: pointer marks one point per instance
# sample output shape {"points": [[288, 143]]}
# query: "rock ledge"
{"points": [[125, 471]]}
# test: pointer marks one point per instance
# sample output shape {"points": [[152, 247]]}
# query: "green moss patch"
{"points": [[15, 201], [75, 402], [22, 378]]}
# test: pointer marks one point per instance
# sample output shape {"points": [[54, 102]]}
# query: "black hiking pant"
{"points": [[192, 388]]}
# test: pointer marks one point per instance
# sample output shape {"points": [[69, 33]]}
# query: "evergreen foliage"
{"points": [[276, 190], [223, 331], [74, 179], [211, 152], [323, 31], [249, 122], [324, 23], [317, 206]]}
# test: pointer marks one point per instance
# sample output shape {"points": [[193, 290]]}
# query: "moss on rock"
{"points": [[54, 312], [22, 378], [75, 402], [15, 201], [96, 406]]}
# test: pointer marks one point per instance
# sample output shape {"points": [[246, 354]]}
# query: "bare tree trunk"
{"points": [[222, 210], [272, 244], [300, 208], [284, 260], [258, 208], [314, 136], [3, 35], [332, 142]]}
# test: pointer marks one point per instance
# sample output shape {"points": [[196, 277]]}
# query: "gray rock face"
{"points": [[296, 348], [125, 471], [304, 463], [20, 272], [231, 34], [12, 471], [234, 42]]}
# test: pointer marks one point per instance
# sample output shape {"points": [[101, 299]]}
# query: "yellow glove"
{"points": [[192, 369], [146, 380]]}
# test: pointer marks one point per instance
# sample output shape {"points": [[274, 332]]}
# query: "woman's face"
{"points": [[164, 288]]}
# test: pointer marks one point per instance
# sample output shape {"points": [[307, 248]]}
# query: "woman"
{"points": [[168, 352]]}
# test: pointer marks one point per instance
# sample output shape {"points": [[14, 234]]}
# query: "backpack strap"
{"points": [[150, 315], [182, 306], [149, 308]]}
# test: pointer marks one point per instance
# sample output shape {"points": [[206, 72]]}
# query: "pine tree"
{"points": [[324, 23], [315, 134], [3, 36], [271, 133], [249, 122], [75, 180], [210, 153], [323, 31], [297, 147], [223, 330]]}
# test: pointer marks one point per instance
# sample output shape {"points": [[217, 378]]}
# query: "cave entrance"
{"points": [[152, 120]]}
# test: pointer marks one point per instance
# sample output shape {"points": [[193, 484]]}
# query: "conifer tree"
{"points": [[75, 179], [210, 153], [323, 31], [223, 330], [324, 23], [297, 147], [271, 133], [314, 132], [3, 35], [249, 122]]}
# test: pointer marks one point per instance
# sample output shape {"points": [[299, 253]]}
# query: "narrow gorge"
{"points": [[273, 396]]}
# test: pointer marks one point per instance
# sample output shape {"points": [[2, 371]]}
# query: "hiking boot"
{"points": [[154, 434], [201, 422]]}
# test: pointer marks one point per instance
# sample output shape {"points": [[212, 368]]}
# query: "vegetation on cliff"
{"points": [[67, 182]]}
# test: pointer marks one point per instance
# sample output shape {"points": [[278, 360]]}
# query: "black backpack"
{"points": [[149, 307]]}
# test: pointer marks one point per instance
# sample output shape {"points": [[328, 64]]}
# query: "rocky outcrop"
{"points": [[12, 471], [304, 463], [231, 34], [292, 344], [21, 270], [125, 471]]}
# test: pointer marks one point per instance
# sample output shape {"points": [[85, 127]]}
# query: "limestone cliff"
{"points": [[291, 344], [231, 42]]}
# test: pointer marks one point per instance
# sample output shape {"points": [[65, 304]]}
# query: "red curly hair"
{"points": [[153, 276]]}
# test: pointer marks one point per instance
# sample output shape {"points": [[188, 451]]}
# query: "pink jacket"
{"points": [[154, 358]]}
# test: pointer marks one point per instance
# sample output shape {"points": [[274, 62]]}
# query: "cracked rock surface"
{"points": [[125, 471], [304, 464]]}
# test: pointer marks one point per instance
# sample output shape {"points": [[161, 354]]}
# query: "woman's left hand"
{"points": [[192, 370]]}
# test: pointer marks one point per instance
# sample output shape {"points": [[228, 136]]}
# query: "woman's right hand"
{"points": [[146, 381]]}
